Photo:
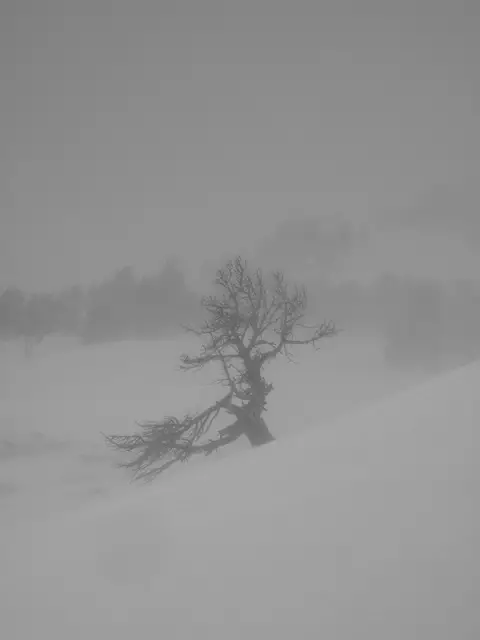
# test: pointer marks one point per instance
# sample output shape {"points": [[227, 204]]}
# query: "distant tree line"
{"points": [[124, 306], [421, 323]]}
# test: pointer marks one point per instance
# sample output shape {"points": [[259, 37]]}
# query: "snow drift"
{"points": [[365, 529], [54, 407]]}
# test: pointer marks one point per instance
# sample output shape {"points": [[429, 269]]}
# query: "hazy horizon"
{"points": [[135, 131], [143, 144]]}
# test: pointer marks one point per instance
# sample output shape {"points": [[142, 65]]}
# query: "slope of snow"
{"points": [[365, 529], [54, 407]]}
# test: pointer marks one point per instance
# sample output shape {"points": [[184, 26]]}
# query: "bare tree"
{"points": [[249, 324]]}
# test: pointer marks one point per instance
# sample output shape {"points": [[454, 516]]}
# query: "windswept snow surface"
{"points": [[54, 407], [365, 529]]}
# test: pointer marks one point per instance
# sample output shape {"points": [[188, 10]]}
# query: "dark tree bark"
{"points": [[258, 433]]}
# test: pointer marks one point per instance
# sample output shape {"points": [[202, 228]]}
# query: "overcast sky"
{"points": [[132, 129]]}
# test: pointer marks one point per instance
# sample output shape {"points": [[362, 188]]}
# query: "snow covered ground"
{"points": [[364, 525], [54, 407]]}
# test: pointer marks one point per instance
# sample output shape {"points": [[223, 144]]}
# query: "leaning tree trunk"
{"points": [[249, 416], [257, 432], [249, 423], [255, 427]]}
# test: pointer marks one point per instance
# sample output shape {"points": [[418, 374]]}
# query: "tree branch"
{"points": [[248, 324], [168, 441]]}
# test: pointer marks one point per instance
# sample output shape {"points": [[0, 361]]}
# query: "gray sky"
{"points": [[131, 129]]}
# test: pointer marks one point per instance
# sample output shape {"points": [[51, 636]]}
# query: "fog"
{"points": [[145, 144], [133, 131], [402, 287], [364, 527]]}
